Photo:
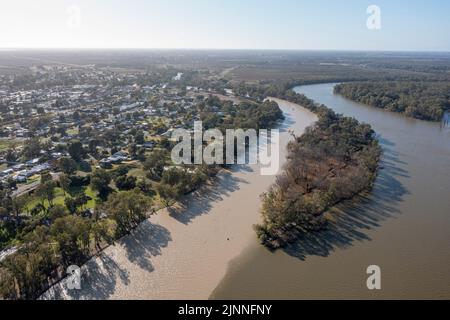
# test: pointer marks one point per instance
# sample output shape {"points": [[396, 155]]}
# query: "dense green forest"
{"points": [[420, 100], [334, 160]]}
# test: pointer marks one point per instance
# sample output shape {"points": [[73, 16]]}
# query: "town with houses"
{"points": [[224, 150], [75, 138], [114, 118], [88, 113]]}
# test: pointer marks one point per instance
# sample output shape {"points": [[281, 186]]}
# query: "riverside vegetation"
{"points": [[68, 220], [424, 100], [334, 160]]}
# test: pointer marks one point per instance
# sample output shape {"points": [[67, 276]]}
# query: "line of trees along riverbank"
{"points": [[417, 99], [48, 236], [334, 160]]}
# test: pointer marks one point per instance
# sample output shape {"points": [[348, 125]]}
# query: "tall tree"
{"points": [[103, 230], [32, 148], [72, 234], [100, 181], [67, 165], [64, 183], [46, 191], [128, 209], [154, 164], [76, 150]]}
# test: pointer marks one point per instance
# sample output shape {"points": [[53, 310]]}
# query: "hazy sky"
{"points": [[233, 24]]}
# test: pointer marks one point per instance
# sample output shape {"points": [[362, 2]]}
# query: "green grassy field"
{"points": [[60, 198], [5, 144], [33, 179], [73, 131], [137, 172]]}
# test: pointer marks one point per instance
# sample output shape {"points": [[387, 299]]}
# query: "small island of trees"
{"points": [[334, 160]]}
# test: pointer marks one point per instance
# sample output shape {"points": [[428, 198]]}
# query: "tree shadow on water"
{"points": [[200, 202], [353, 218], [98, 281], [102, 274], [146, 242], [287, 124]]}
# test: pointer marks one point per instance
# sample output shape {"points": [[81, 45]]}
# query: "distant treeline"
{"points": [[334, 160], [420, 100]]}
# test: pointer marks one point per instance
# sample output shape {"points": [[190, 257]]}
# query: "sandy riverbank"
{"points": [[183, 253]]}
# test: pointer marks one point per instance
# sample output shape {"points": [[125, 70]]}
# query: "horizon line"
{"points": [[216, 49]]}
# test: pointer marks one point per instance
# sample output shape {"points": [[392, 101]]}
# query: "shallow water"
{"points": [[403, 225], [445, 123]]}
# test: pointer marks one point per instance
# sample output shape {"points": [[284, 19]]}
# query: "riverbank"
{"points": [[334, 161], [184, 252], [402, 225], [423, 100]]}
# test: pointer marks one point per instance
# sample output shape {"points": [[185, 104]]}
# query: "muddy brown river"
{"points": [[206, 246], [403, 225]]}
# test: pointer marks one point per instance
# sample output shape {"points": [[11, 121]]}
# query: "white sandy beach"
{"points": [[183, 253]]}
